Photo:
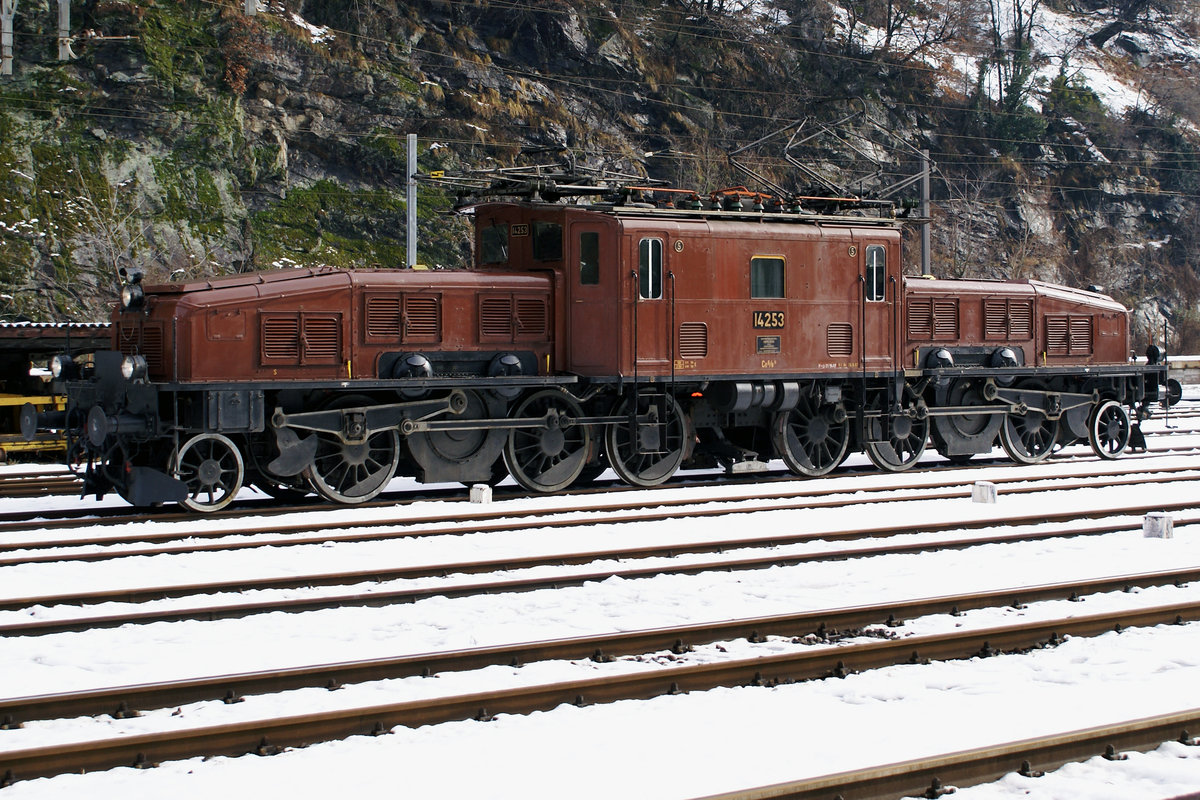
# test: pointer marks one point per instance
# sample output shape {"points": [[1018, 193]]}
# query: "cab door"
{"points": [[878, 264], [593, 286], [648, 292]]}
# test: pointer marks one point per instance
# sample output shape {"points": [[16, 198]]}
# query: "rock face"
{"points": [[188, 139]]}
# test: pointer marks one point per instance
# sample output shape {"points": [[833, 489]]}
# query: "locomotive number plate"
{"points": [[768, 319], [520, 229]]}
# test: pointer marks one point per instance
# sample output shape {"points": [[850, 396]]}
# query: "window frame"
{"points": [[756, 286], [875, 273], [589, 270], [651, 256]]}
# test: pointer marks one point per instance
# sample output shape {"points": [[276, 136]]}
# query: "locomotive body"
{"points": [[612, 335]]}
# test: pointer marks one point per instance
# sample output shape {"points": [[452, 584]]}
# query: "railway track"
{"points": [[494, 518], [267, 736], [935, 777], [822, 624], [38, 485], [383, 597]]}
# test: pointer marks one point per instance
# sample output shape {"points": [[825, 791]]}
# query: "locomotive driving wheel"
{"points": [[812, 438], [1029, 438], [1109, 430], [648, 455], [211, 467], [548, 457], [356, 471], [905, 439], [958, 437]]}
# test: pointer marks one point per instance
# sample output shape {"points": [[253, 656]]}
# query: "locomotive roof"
{"points": [[719, 215]]}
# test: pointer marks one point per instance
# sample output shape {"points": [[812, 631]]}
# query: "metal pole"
{"points": [[64, 31], [411, 201], [925, 212], [7, 10], [251, 7]]}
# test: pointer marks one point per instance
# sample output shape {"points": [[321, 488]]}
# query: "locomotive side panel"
{"points": [[972, 320], [1080, 327]]}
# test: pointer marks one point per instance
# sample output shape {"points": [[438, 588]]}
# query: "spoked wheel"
{"points": [[812, 438], [1028, 438], [467, 456], [902, 447], [353, 472], [650, 454], [211, 467], [960, 436], [548, 457], [1110, 430]]}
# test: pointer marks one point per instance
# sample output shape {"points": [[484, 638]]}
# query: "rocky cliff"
{"points": [[187, 138]]}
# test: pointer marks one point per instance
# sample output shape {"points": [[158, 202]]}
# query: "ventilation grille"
{"points": [[839, 340], [1020, 319], [693, 340], [995, 319], [302, 339], [383, 317], [1068, 336], [422, 318], [945, 319], [1007, 319], [321, 340], [531, 316], [495, 317], [506, 318], [146, 341], [920, 318], [281, 338]]}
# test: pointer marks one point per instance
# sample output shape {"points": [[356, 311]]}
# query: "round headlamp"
{"points": [[62, 367], [134, 368], [133, 297]]}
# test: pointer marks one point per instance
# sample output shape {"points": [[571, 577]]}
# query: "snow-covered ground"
{"points": [[671, 747]]}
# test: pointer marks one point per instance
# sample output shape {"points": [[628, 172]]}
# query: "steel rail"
{"points": [[925, 777], [824, 622], [39, 486], [408, 595], [269, 735], [266, 506], [457, 522]]}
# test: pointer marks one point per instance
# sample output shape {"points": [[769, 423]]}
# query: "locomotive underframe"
{"points": [[147, 441]]}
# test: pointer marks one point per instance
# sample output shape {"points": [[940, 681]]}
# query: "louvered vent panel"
{"points": [[127, 339], [531, 316], [995, 319], [1020, 319], [281, 338], [920, 318], [152, 349], [945, 319], [1056, 336], [383, 317], [322, 339], [143, 340], [495, 317], [693, 340], [839, 340], [1081, 335], [422, 318]]}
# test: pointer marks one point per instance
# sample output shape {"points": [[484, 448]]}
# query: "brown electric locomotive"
{"points": [[642, 331]]}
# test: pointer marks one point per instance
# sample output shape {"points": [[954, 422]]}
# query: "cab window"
{"points": [[493, 244], [766, 277], [650, 265], [589, 258], [547, 241], [876, 272]]}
